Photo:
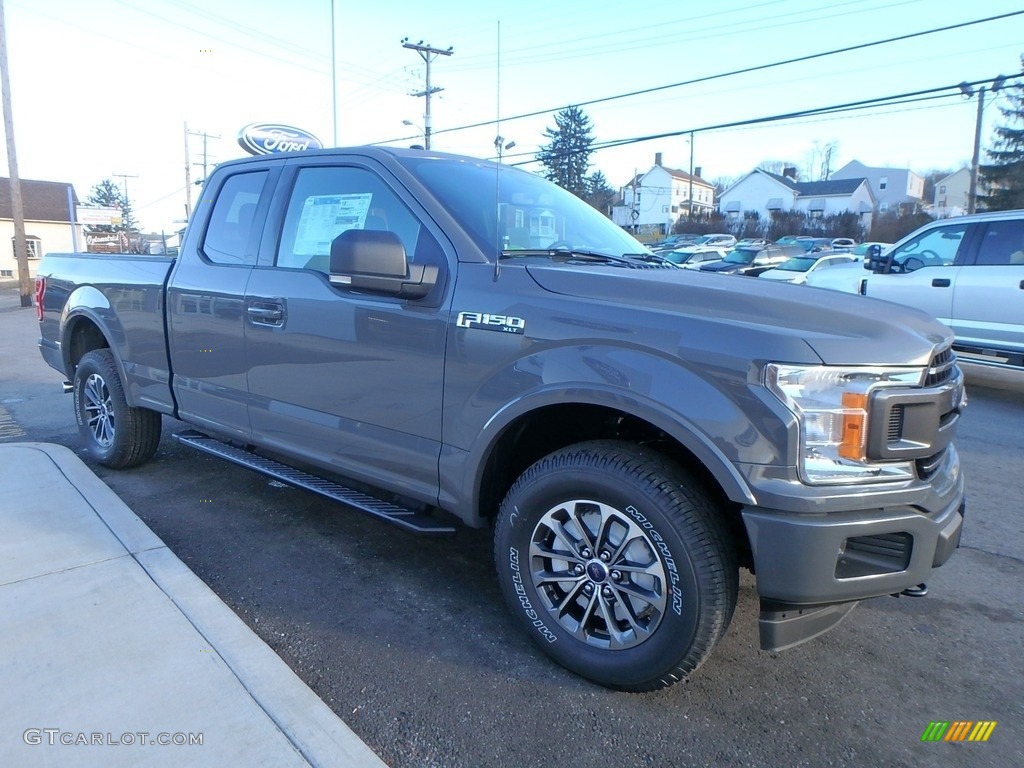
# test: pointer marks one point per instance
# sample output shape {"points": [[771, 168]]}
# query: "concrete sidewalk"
{"points": [[113, 653]]}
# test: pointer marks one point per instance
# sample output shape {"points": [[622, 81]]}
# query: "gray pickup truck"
{"points": [[436, 339]]}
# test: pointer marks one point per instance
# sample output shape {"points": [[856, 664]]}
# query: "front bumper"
{"points": [[812, 568]]}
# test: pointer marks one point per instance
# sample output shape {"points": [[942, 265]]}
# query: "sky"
{"points": [[104, 89]]}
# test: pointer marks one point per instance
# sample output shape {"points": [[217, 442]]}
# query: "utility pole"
{"points": [[972, 193], [691, 177], [126, 209], [17, 209], [206, 136], [428, 54], [188, 177]]}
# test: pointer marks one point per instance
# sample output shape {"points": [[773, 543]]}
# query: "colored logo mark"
{"points": [[958, 730]]}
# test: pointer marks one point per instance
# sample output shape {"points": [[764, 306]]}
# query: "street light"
{"points": [[501, 146], [968, 91], [419, 128]]}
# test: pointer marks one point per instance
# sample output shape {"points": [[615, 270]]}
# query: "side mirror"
{"points": [[375, 260], [874, 260]]}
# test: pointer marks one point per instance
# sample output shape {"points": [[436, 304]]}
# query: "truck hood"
{"points": [[841, 329]]}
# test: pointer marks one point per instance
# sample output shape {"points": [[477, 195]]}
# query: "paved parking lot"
{"points": [[408, 641]]}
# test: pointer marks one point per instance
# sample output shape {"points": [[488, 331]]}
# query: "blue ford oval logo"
{"points": [[596, 571], [271, 138]]}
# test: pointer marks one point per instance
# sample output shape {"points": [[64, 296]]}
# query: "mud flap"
{"points": [[784, 625]]}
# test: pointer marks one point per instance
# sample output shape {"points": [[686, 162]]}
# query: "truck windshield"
{"points": [[504, 209]]}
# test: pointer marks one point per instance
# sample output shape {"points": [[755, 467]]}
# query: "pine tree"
{"points": [[567, 155], [107, 194], [599, 194], [1003, 179]]}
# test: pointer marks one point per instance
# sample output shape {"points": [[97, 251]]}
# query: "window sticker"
{"points": [[324, 217]]}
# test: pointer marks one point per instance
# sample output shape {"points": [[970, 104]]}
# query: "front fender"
{"points": [[709, 407]]}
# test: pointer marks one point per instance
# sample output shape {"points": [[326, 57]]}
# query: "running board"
{"points": [[403, 517]]}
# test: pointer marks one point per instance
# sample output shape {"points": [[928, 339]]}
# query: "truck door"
{"points": [[988, 298], [206, 324], [348, 380], [923, 272]]}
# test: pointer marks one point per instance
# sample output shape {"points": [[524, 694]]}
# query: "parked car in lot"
{"points": [[693, 258], [798, 268], [672, 241], [787, 240], [814, 244], [752, 261], [843, 243], [967, 271], [751, 242], [718, 241]]}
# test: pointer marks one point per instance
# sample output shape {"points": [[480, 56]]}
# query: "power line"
{"points": [[910, 97], [733, 73]]}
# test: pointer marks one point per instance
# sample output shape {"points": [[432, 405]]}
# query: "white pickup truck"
{"points": [[966, 271]]}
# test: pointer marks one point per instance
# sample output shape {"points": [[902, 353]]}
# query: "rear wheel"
{"points": [[615, 562], [115, 434]]}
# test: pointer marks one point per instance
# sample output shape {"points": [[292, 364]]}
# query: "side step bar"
{"points": [[403, 517]]}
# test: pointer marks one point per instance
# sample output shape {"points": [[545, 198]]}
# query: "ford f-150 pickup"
{"points": [[436, 339]]}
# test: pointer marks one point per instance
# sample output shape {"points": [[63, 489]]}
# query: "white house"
{"points": [[767, 193], [893, 188], [48, 208], [951, 194], [654, 201]]}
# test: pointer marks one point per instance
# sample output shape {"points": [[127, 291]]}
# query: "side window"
{"points": [[1003, 243], [328, 201], [935, 248], [228, 237]]}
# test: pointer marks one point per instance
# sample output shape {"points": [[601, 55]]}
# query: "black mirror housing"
{"points": [[375, 260]]}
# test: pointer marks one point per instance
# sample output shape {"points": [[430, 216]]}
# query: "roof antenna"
{"points": [[498, 141]]}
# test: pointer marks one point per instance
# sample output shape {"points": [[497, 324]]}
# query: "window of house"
{"points": [[942, 189], [6, 273], [883, 182], [32, 247]]}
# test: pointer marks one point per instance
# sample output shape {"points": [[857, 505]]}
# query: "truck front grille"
{"points": [[928, 466], [942, 368]]}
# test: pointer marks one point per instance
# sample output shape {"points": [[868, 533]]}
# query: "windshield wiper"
{"points": [[627, 259]]}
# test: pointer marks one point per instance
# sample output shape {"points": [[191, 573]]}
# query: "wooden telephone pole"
{"points": [[20, 246]]}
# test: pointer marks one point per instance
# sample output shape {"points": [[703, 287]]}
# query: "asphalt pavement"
{"points": [[112, 653]]}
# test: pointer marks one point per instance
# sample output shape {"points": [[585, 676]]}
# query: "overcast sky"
{"points": [[106, 87]]}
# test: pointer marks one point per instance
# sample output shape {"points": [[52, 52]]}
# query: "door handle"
{"points": [[940, 282], [266, 313]]}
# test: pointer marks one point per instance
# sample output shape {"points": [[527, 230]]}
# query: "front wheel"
{"points": [[617, 565], [115, 434]]}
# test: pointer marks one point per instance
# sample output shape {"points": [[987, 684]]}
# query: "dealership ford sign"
{"points": [[270, 138]]}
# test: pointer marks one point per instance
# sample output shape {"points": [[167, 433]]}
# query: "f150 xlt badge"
{"points": [[488, 322]]}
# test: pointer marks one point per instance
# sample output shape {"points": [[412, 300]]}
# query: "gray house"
{"points": [[893, 188]]}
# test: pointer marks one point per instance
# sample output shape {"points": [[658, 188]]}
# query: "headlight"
{"points": [[832, 407]]}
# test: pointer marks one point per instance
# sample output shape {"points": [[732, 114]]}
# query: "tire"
{"points": [[615, 562], [115, 434]]}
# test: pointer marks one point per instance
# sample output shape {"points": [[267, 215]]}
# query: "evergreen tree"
{"points": [[107, 194], [567, 155], [1003, 179], [599, 193]]}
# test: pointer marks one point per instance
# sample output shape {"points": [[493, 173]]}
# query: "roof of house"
{"points": [[40, 200], [827, 188], [684, 176]]}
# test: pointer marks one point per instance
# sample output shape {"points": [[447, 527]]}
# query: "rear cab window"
{"points": [[230, 236]]}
